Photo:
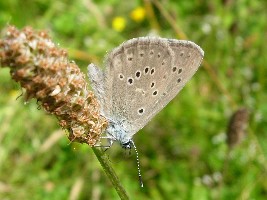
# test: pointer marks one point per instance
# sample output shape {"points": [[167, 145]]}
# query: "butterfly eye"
{"points": [[146, 70], [121, 76], [141, 111], [155, 93], [152, 71], [130, 81], [138, 74]]}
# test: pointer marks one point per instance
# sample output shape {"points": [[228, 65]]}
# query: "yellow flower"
{"points": [[118, 24], [138, 14]]}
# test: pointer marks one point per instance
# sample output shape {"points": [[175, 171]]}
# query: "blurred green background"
{"points": [[183, 150]]}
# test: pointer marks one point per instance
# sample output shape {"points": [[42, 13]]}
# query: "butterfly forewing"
{"points": [[135, 68], [186, 60]]}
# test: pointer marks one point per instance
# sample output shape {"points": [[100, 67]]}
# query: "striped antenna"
{"points": [[138, 164]]}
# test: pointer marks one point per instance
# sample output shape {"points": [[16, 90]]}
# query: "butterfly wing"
{"points": [[187, 58], [96, 78], [142, 75]]}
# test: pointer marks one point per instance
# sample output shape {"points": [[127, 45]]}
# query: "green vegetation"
{"points": [[183, 150]]}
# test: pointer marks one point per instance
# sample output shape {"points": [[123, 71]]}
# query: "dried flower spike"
{"points": [[237, 127], [45, 72]]}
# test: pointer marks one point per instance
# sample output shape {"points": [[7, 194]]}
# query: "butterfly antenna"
{"points": [[138, 164]]}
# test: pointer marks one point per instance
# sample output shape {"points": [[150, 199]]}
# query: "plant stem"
{"points": [[104, 161]]}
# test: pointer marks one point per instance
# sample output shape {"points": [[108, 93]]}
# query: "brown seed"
{"points": [[237, 127]]}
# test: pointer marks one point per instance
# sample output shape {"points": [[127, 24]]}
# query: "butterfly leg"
{"points": [[105, 147], [110, 142]]}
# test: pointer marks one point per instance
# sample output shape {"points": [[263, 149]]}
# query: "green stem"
{"points": [[104, 161]]}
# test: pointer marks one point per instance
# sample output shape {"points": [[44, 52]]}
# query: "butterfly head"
{"points": [[118, 133], [127, 145]]}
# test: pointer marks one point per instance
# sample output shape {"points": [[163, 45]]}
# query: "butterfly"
{"points": [[140, 78]]}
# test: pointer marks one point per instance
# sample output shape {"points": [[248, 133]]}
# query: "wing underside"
{"points": [[142, 75]]}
